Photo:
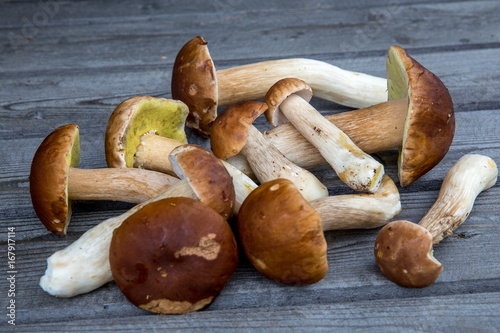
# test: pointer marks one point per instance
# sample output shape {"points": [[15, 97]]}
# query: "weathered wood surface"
{"points": [[76, 63]]}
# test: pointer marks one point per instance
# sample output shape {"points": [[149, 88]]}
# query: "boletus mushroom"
{"points": [[418, 118], [138, 115], [233, 132], [173, 256], [196, 82], [282, 233], [404, 250], [288, 100], [84, 265], [55, 180]]}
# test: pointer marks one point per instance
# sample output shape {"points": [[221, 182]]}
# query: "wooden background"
{"points": [[74, 61]]}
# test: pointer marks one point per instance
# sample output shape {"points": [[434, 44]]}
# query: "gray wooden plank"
{"points": [[457, 313], [149, 38]]}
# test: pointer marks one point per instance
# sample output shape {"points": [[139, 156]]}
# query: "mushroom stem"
{"points": [[84, 265], [269, 163], [470, 175], [123, 184], [359, 211], [153, 153], [354, 167], [329, 82]]}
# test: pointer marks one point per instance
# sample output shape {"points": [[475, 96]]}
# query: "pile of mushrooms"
{"points": [[175, 250]]}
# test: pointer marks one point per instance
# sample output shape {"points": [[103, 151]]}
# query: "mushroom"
{"points": [[403, 250], [288, 100], [282, 234], [173, 256], [84, 265], [196, 82], [418, 118], [137, 135], [136, 116], [232, 132], [55, 180]]}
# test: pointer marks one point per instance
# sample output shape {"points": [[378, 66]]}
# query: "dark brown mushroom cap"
{"points": [[139, 115], [207, 176], [279, 92], [49, 174], [282, 234], [229, 131], [430, 122], [173, 256], [194, 81], [403, 251]]}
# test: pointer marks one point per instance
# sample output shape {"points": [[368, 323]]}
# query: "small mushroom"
{"points": [[282, 234], [403, 250], [233, 132], [196, 82], [55, 180], [173, 256], [288, 100], [136, 116], [418, 118], [84, 265]]}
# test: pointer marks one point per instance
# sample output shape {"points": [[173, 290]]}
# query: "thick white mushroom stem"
{"points": [[360, 211], [329, 82], [84, 265], [120, 184], [269, 163], [468, 177], [153, 152], [354, 167]]}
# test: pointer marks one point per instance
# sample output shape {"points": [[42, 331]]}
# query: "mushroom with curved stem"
{"points": [[196, 82], [418, 118], [142, 131], [173, 256], [55, 180], [282, 234], [84, 265], [288, 100], [403, 250], [233, 132]]}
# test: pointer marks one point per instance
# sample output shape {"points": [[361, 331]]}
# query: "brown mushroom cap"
{"points": [[282, 234], [194, 81], [430, 122], [139, 115], [207, 176], [173, 256], [59, 151], [229, 132], [280, 92], [403, 251]]}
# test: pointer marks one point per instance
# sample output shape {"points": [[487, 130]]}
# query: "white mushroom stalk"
{"points": [[124, 184], [470, 175], [359, 211], [354, 167], [233, 132], [84, 265], [329, 82]]}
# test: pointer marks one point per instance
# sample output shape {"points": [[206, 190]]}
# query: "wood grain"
{"points": [[88, 56]]}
